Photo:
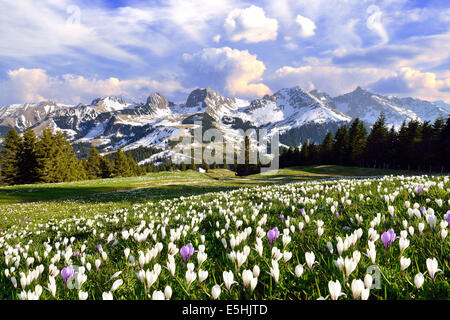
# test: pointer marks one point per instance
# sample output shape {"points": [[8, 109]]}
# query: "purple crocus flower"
{"points": [[419, 190], [186, 252], [336, 214], [76, 254], [388, 238], [99, 247], [273, 234], [66, 273], [281, 217], [302, 211], [422, 209]]}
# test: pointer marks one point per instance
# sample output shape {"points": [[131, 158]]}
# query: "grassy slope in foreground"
{"points": [[172, 184]]}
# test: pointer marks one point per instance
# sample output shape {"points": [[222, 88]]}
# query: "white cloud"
{"points": [[41, 28], [331, 79], [307, 26], [336, 80], [374, 23], [34, 85], [250, 25], [238, 72], [410, 81]]}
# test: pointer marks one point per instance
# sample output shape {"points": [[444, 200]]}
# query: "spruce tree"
{"points": [[106, 168], [27, 159], [341, 145], [9, 157], [357, 143], [48, 153], [326, 149], [121, 165], [304, 154], [377, 143], [94, 165]]}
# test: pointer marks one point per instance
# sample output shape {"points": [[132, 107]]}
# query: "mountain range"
{"points": [[296, 114]]}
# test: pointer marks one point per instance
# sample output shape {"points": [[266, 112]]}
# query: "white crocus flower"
{"points": [[357, 288], [82, 295], [299, 270], [215, 291], [158, 295], [228, 279], [404, 263], [432, 266], [116, 285], [168, 292], [107, 296], [418, 280], [202, 275], [310, 259], [335, 289]]}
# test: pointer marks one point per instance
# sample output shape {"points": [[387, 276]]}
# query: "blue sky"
{"points": [[75, 51]]}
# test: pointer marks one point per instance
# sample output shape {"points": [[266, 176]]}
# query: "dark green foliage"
{"points": [[28, 159], [51, 158], [94, 164], [416, 146], [357, 143], [9, 157], [121, 166], [246, 168]]}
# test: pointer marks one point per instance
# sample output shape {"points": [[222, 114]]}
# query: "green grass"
{"points": [[92, 218], [172, 184]]}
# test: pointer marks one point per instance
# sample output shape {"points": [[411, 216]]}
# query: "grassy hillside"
{"points": [[328, 231], [172, 184]]}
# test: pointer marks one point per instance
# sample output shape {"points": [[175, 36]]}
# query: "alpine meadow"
{"points": [[236, 157]]}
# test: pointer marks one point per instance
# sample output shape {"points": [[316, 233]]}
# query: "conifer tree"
{"points": [[9, 157], [326, 149], [106, 168], [377, 143], [48, 153], [121, 165], [94, 165], [357, 143], [341, 145], [27, 159]]}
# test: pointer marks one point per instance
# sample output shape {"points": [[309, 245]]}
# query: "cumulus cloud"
{"points": [[250, 25], [238, 72], [410, 81], [331, 79], [374, 23], [307, 26], [34, 85]]}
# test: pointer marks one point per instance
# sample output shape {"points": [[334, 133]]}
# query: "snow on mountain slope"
{"points": [[110, 104], [367, 106], [441, 104], [290, 108], [110, 122]]}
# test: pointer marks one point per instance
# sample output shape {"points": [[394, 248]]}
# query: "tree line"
{"points": [[50, 158], [420, 146]]}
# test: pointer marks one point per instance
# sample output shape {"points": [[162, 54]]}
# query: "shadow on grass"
{"points": [[102, 194]]}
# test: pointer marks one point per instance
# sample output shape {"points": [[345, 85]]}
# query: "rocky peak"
{"points": [[197, 98], [157, 100], [105, 100]]}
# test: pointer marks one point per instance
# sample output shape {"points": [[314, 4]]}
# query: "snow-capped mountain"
{"points": [[443, 105], [112, 122], [367, 106]]}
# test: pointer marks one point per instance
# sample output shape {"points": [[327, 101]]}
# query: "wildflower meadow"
{"points": [[366, 238]]}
